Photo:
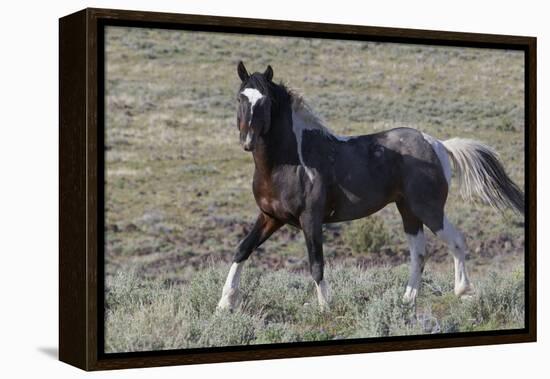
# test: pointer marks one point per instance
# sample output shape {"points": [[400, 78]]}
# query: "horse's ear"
{"points": [[241, 70], [268, 73]]}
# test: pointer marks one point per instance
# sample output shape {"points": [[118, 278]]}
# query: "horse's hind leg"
{"points": [[262, 230], [433, 216], [414, 230], [454, 238]]}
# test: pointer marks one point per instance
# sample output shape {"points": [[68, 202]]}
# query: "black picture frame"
{"points": [[81, 74]]}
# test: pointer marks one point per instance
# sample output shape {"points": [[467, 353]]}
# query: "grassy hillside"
{"points": [[178, 185]]}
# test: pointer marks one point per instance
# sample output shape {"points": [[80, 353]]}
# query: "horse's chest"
{"points": [[270, 199], [270, 205]]}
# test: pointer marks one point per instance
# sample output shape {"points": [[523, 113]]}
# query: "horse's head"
{"points": [[254, 105]]}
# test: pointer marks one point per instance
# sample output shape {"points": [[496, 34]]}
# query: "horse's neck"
{"points": [[276, 148], [263, 162]]}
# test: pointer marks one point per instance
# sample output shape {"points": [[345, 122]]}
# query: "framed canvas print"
{"points": [[238, 189]]}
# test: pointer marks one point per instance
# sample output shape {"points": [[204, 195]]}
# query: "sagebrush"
{"points": [[279, 306]]}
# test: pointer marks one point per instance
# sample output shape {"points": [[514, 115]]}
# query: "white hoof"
{"points": [[323, 295], [230, 300], [409, 297], [464, 290]]}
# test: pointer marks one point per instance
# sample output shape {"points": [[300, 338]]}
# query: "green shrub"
{"points": [[500, 300], [277, 332], [145, 315], [204, 290], [229, 329], [387, 315], [278, 296], [366, 235]]}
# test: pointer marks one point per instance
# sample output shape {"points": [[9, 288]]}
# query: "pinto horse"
{"points": [[306, 176]]}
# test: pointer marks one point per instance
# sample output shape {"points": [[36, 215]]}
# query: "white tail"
{"points": [[480, 173]]}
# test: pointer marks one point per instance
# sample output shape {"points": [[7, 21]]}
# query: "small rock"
{"points": [[131, 228], [151, 217], [113, 228]]}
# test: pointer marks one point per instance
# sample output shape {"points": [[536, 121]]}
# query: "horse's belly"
{"points": [[357, 201], [348, 212]]}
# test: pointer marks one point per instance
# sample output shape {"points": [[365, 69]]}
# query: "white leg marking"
{"points": [[417, 247], [323, 294], [230, 294], [442, 154], [457, 244]]}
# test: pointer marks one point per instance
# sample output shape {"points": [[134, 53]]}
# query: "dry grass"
{"points": [[280, 306]]}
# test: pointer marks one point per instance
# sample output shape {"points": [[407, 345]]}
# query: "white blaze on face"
{"points": [[253, 95]]}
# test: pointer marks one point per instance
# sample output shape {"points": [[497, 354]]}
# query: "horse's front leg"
{"points": [[312, 226], [262, 230]]}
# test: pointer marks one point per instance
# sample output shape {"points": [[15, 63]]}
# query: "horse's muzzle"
{"points": [[249, 142]]}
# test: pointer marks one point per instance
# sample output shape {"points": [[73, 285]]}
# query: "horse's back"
{"points": [[386, 150]]}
